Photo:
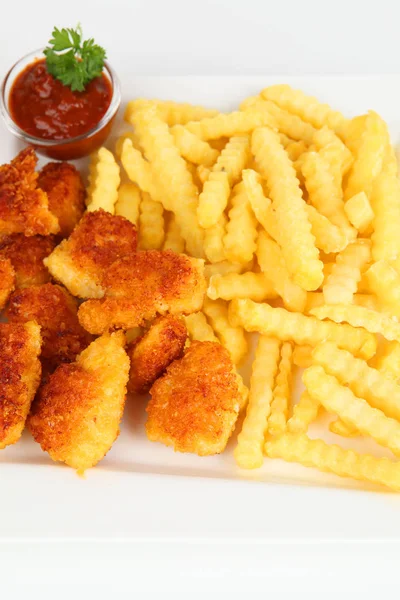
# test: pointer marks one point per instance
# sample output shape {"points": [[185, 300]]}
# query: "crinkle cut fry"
{"points": [[255, 286], [333, 459], [151, 224], [227, 125], [384, 281], [385, 202], [232, 338], [104, 180], [278, 417], [341, 284], [293, 226], [241, 230], [173, 113], [352, 410], [193, 148], [249, 451], [304, 413], [299, 328]]}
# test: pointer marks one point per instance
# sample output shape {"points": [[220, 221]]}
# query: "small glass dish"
{"points": [[71, 148]]}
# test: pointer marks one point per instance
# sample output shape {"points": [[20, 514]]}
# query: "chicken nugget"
{"points": [[7, 280], [139, 286], [19, 377], [66, 194], [26, 255], [56, 311], [76, 415], [195, 405], [23, 206], [98, 240], [152, 353]]}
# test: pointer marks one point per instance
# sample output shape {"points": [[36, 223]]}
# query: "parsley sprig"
{"points": [[73, 61]]}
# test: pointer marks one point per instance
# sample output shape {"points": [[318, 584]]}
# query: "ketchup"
{"points": [[45, 108]]}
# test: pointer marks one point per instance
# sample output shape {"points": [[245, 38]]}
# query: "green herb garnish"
{"points": [[72, 61]]}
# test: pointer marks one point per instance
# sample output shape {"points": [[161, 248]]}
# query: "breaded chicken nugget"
{"points": [[23, 206], [152, 353], [26, 255], [194, 406], [7, 280], [66, 194], [76, 415], [139, 286], [19, 377], [55, 310], [99, 239]]}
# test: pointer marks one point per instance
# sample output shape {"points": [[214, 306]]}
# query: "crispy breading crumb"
{"points": [[98, 240], [26, 255], [55, 310], [195, 405], [20, 371], [7, 280], [139, 286], [76, 415], [24, 206], [152, 353], [66, 194]]}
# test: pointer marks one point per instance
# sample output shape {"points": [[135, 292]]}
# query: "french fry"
{"points": [[278, 417], [293, 226], [390, 165], [249, 451], [388, 363], [306, 107], [352, 410], [324, 195], [192, 148], [231, 337], [119, 144], [334, 152], [255, 286], [359, 212], [151, 224], [128, 202], [172, 173], [304, 413], [173, 113], [328, 237], [302, 330], [271, 261], [198, 328], [341, 284], [296, 149], [104, 180], [302, 356], [137, 168], [214, 240], [359, 316], [203, 173], [345, 430], [368, 158], [384, 281], [230, 124], [224, 268], [334, 459], [315, 299], [241, 230], [385, 202], [259, 202], [173, 239]]}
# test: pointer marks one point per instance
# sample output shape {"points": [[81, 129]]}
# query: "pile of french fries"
{"points": [[296, 211]]}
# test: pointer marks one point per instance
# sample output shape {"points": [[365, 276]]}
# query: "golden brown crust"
{"points": [[7, 280], [26, 255], [139, 286], [19, 377], [76, 414], [194, 406], [55, 310], [66, 194], [152, 353], [24, 206]]}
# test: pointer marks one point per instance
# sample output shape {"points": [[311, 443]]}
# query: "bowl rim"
{"points": [[37, 141]]}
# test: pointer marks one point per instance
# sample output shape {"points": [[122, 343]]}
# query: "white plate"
{"points": [[142, 489]]}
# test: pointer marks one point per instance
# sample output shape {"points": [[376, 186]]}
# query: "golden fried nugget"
{"points": [[20, 371], [26, 255], [23, 206], [152, 353], [139, 286], [7, 280], [194, 406], [65, 192], [99, 239], [55, 310], [77, 413]]}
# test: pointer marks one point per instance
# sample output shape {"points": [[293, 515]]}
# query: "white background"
{"points": [[219, 37]]}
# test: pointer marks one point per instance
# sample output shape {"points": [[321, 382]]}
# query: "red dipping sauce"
{"points": [[45, 108]]}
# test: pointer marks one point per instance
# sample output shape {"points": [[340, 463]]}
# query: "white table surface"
{"points": [[203, 37]]}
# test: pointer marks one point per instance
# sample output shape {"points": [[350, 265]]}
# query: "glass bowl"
{"points": [[70, 148]]}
